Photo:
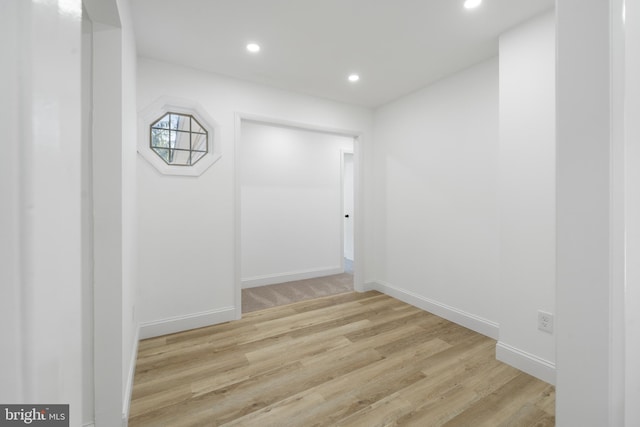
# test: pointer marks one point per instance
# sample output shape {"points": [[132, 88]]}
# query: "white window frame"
{"points": [[158, 109]]}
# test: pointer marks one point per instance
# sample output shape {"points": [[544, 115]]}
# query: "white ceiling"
{"points": [[311, 46]]}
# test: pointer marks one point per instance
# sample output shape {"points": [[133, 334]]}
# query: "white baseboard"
{"points": [[526, 362], [468, 320], [175, 324], [130, 375], [89, 425], [272, 279]]}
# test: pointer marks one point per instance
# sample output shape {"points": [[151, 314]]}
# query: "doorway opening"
{"points": [[296, 213]]}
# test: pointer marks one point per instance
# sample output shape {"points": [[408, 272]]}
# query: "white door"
{"points": [[348, 205]]}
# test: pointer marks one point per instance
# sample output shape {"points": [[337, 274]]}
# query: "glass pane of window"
{"points": [[163, 123], [181, 140], [162, 152], [160, 137], [196, 155], [179, 157], [198, 142], [183, 122], [195, 126], [174, 119]]}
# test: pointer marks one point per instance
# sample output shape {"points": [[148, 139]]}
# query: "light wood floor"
{"points": [[356, 359]]}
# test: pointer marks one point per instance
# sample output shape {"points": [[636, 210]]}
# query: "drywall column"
{"points": [[107, 198], [527, 195], [14, 15], [113, 161], [583, 325], [632, 152], [617, 218], [130, 327], [87, 220], [40, 262]]}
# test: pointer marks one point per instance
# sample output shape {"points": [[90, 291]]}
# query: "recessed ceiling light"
{"points": [[353, 78], [253, 47], [472, 4]]}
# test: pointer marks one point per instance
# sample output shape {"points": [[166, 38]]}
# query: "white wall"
{"points": [[40, 219], [186, 224], [436, 166], [632, 193], [527, 195], [291, 203]]}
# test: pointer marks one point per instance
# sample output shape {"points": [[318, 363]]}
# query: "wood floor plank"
{"points": [[264, 393], [374, 381], [547, 401], [529, 415], [381, 413], [447, 393], [438, 408], [501, 405], [320, 303], [318, 342], [355, 359]]}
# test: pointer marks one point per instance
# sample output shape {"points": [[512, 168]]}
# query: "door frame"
{"points": [[358, 203]]}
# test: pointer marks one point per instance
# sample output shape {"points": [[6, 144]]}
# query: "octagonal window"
{"points": [[179, 139]]}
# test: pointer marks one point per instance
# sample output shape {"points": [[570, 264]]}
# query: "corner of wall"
{"points": [[369, 286]]}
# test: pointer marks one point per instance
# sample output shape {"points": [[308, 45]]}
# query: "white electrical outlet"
{"points": [[545, 321]]}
